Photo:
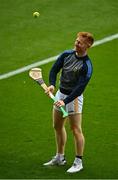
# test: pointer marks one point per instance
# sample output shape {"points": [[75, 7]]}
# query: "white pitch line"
{"points": [[45, 61], [106, 39]]}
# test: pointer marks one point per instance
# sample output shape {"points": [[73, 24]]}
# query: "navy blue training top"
{"points": [[75, 75]]}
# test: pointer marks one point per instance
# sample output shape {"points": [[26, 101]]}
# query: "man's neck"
{"points": [[81, 54]]}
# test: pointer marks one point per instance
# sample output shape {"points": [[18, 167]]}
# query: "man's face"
{"points": [[81, 44]]}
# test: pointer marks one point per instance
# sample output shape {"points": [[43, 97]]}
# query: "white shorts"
{"points": [[74, 106]]}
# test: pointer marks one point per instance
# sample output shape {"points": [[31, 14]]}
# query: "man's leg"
{"points": [[75, 123], [60, 138], [60, 132]]}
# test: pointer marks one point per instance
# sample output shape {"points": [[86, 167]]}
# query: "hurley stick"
{"points": [[36, 74]]}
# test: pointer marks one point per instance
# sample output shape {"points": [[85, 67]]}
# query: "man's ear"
{"points": [[89, 45]]}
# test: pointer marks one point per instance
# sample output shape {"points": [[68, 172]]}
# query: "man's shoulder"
{"points": [[66, 53], [70, 51]]}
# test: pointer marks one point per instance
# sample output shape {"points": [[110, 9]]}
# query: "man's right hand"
{"points": [[51, 89]]}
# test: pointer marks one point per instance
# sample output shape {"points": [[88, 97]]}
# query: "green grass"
{"points": [[25, 39], [26, 134]]}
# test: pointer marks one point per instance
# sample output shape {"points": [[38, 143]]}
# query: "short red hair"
{"points": [[88, 36]]}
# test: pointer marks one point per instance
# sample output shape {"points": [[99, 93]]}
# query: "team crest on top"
{"points": [[75, 69]]}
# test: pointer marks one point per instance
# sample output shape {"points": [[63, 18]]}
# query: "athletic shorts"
{"points": [[74, 106]]}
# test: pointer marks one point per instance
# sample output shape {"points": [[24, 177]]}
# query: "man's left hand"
{"points": [[59, 103]]}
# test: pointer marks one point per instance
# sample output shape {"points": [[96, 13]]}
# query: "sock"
{"points": [[61, 156], [80, 157]]}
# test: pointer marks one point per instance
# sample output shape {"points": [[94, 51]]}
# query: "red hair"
{"points": [[88, 36]]}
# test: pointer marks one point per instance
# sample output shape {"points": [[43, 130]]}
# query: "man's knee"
{"points": [[57, 126], [76, 130]]}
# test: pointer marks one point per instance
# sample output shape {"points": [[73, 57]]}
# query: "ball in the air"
{"points": [[36, 14]]}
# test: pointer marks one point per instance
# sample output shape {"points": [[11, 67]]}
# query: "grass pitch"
{"points": [[26, 134]]}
